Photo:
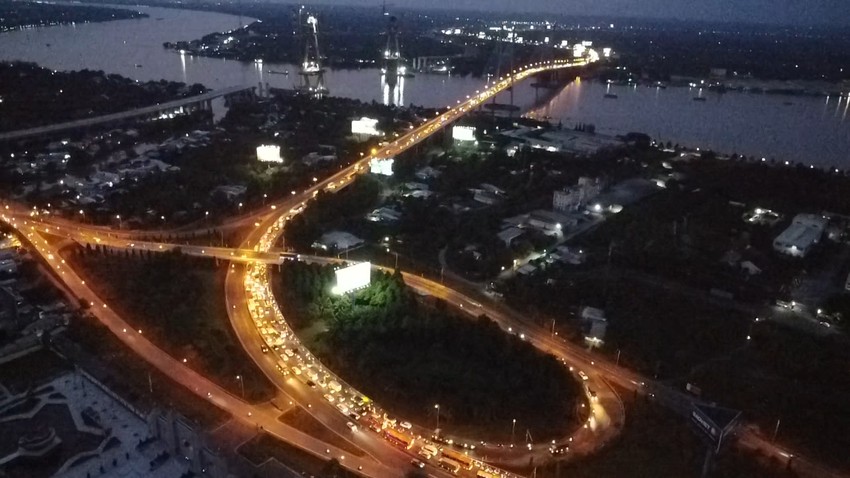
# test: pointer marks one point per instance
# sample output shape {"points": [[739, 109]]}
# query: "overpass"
{"points": [[256, 250], [202, 102]]}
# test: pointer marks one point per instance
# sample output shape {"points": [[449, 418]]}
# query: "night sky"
{"points": [[797, 12]]}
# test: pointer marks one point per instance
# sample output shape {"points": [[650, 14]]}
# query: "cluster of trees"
{"points": [[331, 210], [410, 356], [175, 299], [643, 448], [798, 379], [785, 189], [15, 15], [661, 50], [660, 329], [166, 289]]}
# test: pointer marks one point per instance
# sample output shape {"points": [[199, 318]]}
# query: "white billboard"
{"points": [[365, 126], [380, 166], [269, 153], [352, 277], [463, 133], [578, 50]]}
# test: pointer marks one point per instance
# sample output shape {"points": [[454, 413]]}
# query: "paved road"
{"points": [[263, 415], [116, 117], [264, 219], [235, 283]]}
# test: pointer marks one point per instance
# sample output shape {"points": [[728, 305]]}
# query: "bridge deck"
{"points": [[147, 110]]}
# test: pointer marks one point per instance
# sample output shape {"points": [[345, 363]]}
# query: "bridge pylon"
{"points": [[311, 71], [393, 64]]}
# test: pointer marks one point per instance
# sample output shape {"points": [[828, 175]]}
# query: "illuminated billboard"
{"points": [[352, 277], [365, 126], [578, 50], [269, 153], [380, 166], [463, 133]]}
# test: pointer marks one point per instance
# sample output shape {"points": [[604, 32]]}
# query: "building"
{"points": [[597, 325], [510, 234], [574, 198], [384, 214], [427, 173], [550, 222], [804, 232], [338, 241], [180, 439], [486, 197]]}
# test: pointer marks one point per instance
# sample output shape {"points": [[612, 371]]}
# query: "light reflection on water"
{"points": [[784, 127]]}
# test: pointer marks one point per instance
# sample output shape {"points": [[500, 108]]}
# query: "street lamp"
{"points": [[241, 385], [437, 406], [513, 428]]}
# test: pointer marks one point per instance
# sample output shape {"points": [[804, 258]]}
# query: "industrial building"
{"points": [[804, 232]]}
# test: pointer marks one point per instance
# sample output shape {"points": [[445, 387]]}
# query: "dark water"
{"points": [[810, 130]]}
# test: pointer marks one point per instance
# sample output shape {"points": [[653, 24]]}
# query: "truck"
{"points": [[449, 465], [465, 461], [399, 438], [334, 386]]}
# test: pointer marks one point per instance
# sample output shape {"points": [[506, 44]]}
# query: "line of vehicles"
{"points": [[296, 361]]}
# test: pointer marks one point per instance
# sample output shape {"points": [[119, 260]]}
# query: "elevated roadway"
{"points": [[263, 221], [147, 111]]}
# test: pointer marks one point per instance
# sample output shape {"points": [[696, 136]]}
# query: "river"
{"points": [[809, 130], [799, 129]]}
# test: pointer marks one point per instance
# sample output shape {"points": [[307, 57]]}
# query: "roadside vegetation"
{"points": [[644, 448], [410, 354], [177, 302], [798, 380]]}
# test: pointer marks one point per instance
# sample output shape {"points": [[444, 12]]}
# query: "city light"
{"points": [[365, 126], [269, 153], [352, 278], [380, 166], [463, 133]]}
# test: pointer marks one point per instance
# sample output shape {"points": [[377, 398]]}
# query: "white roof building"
{"points": [[804, 232], [339, 240], [508, 235]]}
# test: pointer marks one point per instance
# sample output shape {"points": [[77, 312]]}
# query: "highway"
{"points": [[595, 367], [336, 181], [264, 223], [263, 415], [123, 115], [244, 280]]}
